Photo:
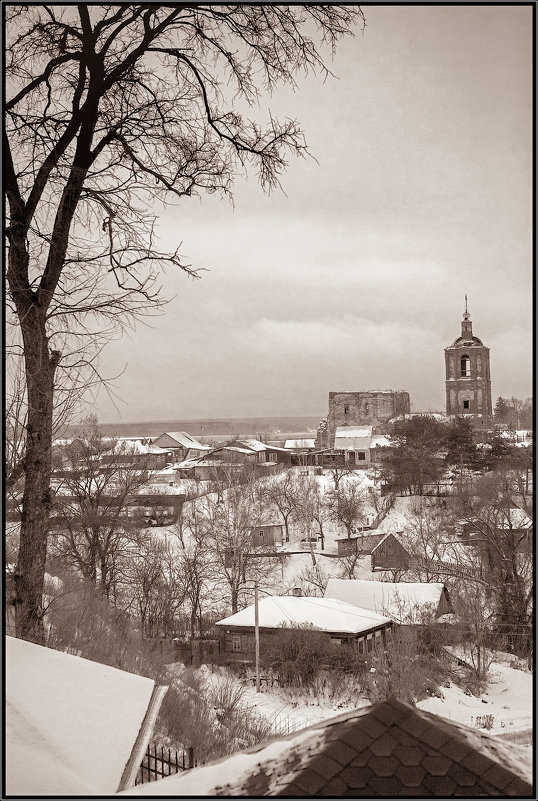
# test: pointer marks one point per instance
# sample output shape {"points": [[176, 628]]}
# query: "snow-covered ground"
{"points": [[508, 697]]}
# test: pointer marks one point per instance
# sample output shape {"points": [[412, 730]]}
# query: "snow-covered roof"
{"points": [[442, 418], [71, 724], [291, 444], [253, 444], [327, 614], [181, 438], [327, 759], [125, 446], [379, 441], [353, 431], [402, 601], [236, 449]]}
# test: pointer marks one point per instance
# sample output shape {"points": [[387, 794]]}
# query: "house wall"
{"points": [[390, 554], [240, 642], [266, 535]]}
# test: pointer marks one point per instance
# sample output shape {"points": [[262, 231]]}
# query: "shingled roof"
{"points": [[388, 749]]}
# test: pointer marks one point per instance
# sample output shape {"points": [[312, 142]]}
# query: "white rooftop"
{"points": [[328, 614], [299, 443], [353, 431], [71, 724], [402, 601]]}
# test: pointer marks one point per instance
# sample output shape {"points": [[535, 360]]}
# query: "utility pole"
{"points": [[257, 636]]}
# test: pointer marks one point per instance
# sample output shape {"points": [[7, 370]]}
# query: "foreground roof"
{"points": [[388, 749], [402, 601], [71, 724], [327, 614]]}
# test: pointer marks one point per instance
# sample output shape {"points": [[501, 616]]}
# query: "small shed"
{"points": [[389, 553], [267, 534]]}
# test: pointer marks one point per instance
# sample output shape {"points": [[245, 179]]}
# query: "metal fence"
{"points": [[161, 762]]}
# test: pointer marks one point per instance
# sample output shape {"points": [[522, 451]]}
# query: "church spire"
{"points": [[466, 325]]}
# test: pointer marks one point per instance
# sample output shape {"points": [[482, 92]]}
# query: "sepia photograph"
{"points": [[268, 392]]}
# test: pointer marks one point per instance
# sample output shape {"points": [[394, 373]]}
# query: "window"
{"points": [[346, 408], [236, 643], [465, 364], [262, 532], [361, 456], [273, 457], [465, 404]]}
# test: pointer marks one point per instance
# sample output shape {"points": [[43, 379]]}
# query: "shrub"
{"points": [[401, 672], [296, 655]]}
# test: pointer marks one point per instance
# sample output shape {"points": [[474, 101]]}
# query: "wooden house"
{"points": [[360, 629], [178, 445]]}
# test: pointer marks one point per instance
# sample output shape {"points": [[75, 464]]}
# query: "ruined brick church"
{"points": [[367, 413]]}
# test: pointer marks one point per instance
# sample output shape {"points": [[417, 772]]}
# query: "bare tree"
{"points": [[194, 561], [110, 110], [283, 492], [500, 532], [338, 472], [348, 505], [238, 560], [157, 588], [93, 529]]}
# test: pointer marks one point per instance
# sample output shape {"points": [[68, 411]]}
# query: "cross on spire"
{"points": [[466, 314]]}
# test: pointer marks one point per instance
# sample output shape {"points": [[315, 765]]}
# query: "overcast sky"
{"points": [[355, 278]]}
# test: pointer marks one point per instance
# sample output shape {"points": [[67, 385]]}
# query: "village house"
{"points": [[179, 445], [361, 629], [265, 452]]}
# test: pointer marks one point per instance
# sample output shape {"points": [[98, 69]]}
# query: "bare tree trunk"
{"points": [[30, 571]]}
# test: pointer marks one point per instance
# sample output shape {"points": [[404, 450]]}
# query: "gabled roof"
{"points": [[385, 750], [71, 724], [181, 438], [327, 614], [403, 601]]}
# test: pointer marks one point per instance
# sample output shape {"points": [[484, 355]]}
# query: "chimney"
{"points": [[297, 592]]}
